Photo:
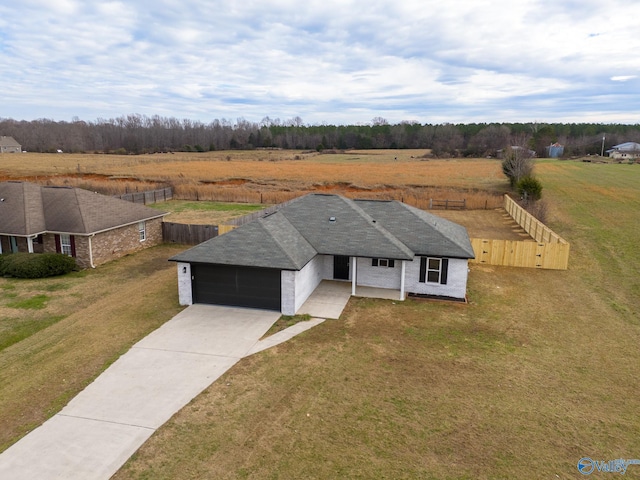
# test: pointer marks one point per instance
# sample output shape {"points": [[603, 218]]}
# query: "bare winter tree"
{"points": [[517, 163]]}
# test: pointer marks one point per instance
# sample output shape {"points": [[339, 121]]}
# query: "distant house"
{"points": [[9, 145], [520, 151], [627, 150], [90, 227], [555, 150]]}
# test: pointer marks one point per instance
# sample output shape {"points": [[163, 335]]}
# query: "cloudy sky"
{"points": [[327, 61]]}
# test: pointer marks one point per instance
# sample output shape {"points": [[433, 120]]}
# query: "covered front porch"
{"points": [[330, 297]]}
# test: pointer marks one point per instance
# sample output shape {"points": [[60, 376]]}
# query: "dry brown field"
{"points": [[271, 176]]}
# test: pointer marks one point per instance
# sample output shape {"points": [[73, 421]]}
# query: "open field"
{"points": [[272, 176], [537, 371], [541, 365]]}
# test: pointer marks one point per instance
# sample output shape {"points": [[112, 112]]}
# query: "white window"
{"points": [[142, 231], [433, 270], [65, 244], [382, 262]]}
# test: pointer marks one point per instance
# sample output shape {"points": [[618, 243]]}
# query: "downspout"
{"points": [[91, 253], [354, 274], [402, 275]]}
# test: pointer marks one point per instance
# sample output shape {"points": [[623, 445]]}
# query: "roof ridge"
{"points": [[417, 212], [276, 237], [80, 209], [375, 224]]}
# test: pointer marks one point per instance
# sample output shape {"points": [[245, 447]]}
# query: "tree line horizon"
{"points": [[138, 134]]}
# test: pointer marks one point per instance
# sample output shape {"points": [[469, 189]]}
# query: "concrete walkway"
{"points": [[110, 419], [97, 431]]}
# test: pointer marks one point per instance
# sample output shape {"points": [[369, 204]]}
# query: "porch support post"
{"points": [[30, 244], [402, 274], [0, 245], [353, 276]]}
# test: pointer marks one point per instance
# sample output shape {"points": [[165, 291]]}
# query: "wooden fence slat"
{"points": [[187, 234], [148, 197]]}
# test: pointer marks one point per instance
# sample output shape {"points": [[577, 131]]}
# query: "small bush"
{"points": [[38, 265], [538, 209], [529, 188]]}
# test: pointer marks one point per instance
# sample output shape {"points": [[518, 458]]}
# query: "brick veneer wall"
{"points": [[119, 242], [111, 244]]}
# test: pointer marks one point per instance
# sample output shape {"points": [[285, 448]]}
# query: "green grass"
{"points": [[179, 206], [286, 321], [37, 302], [15, 330]]}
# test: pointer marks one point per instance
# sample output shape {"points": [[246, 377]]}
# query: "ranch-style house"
{"points": [[91, 227], [277, 261]]}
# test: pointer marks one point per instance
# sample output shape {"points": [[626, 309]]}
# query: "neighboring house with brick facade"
{"points": [[90, 227]]}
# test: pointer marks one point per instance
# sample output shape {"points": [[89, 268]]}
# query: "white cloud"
{"points": [[332, 61]]}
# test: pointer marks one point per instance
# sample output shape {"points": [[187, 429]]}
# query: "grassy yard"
{"points": [[203, 212], [539, 370], [58, 334]]}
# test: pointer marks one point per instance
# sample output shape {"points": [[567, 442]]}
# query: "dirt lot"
{"points": [[494, 224]]}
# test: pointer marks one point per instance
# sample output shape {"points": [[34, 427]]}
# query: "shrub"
{"points": [[38, 265], [538, 209], [529, 188]]}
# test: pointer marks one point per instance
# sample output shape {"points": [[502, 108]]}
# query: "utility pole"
{"points": [[602, 151]]}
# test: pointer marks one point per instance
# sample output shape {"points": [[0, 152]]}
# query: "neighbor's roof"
{"points": [[29, 209], [333, 225], [8, 142], [627, 146]]}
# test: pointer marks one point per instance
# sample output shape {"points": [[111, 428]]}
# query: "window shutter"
{"points": [[444, 269], [423, 269], [374, 262], [392, 263], [58, 247], [73, 245]]}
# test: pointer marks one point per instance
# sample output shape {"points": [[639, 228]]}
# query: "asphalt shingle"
{"points": [[333, 225]]}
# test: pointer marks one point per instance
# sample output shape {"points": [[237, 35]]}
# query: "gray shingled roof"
{"points": [[270, 242], [6, 141], [423, 232], [29, 209], [333, 225]]}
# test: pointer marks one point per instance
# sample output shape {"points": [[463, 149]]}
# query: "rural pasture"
{"points": [[536, 372], [272, 176]]}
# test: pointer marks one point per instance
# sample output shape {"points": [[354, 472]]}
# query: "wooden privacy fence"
{"points": [[448, 204], [148, 197], [549, 250], [187, 234]]}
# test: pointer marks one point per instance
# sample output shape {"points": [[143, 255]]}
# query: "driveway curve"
{"points": [[97, 431]]}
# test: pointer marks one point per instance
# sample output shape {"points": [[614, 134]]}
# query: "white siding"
{"points": [[298, 286], [288, 292], [456, 286], [381, 277], [185, 295]]}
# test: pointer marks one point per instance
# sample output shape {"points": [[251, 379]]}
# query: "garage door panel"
{"points": [[237, 286]]}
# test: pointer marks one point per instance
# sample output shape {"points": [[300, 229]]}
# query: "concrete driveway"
{"points": [[109, 420]]}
